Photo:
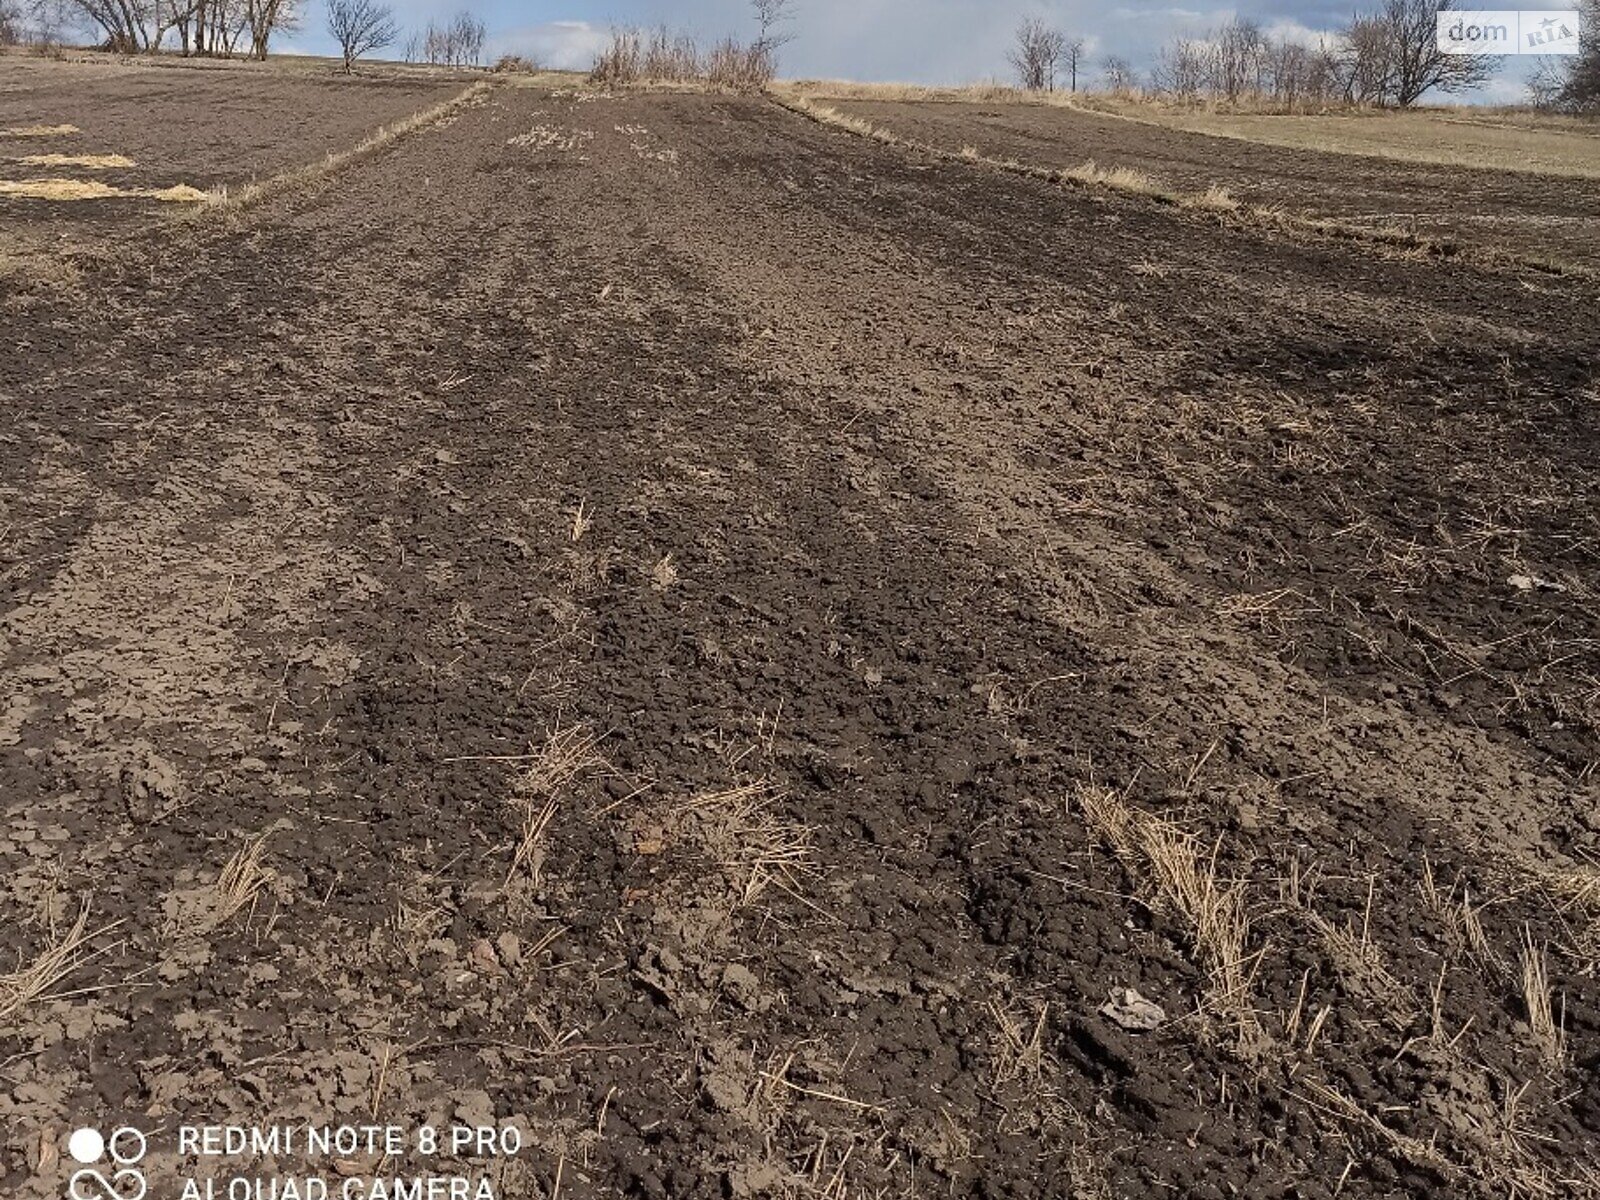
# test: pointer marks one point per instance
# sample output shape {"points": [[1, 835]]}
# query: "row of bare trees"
{"points": [[457, 42], [1041, 51], [661, 56], [195, 27], [12, 22], [235, 27], [1238, 62], [635, 55], [1388, 56]]}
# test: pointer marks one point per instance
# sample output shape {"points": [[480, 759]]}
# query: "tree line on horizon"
{"points": [[1387, 57], [236, 28], [1384, 57]]}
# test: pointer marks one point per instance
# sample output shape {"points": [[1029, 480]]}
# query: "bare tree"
{"points": [[10, 22], [1072, 56], [1392, 56], [126, 26], [1367, 61], [771, 17], [266, 17], [456, 43], [1180, 69], [1037, 50], [1118, 76], [1420, 66], [41, 22], [468, 33], [1296, 76], [1235, 60], [360, 27]]}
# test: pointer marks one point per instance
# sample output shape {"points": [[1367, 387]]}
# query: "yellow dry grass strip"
{"points": [[93, 162], [224, 200], [58, 189], [1215, 202], [39, 131], [1122, 179], [90, 189], [1171, 866], [38, 980]]}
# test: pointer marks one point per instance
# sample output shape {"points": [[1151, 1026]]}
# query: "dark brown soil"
{"points": [[1539, 217], [860, 529]]}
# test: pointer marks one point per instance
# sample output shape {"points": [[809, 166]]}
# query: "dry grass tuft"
{"points": [[547, 776], [38, 980], [1538, 1004], [1021, 1052], [180, 193], [756, 846], [1361, 965], [1123, 179], [1335, 1103], [93, 162], [1464, 932], [1215, 198], [582, 520], [241, 880], [664, 574], [1170, 864], [634, 56]]}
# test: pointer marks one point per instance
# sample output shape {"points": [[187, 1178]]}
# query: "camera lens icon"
{"points": [[126, 1181], [86, 1145]]}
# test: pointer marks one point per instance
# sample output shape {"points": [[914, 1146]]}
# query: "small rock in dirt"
{"points": [[1132, 1011], [740, 985], [1530, 583], [724, 1091], [669, 962], [474, 1108], [150, 787], [756, 1179], [510, 947]]}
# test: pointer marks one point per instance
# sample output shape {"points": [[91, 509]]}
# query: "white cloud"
{"points": [[561, 45], [1287, 29]]}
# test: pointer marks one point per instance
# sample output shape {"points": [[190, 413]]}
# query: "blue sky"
{"points": [[910, 41]]}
